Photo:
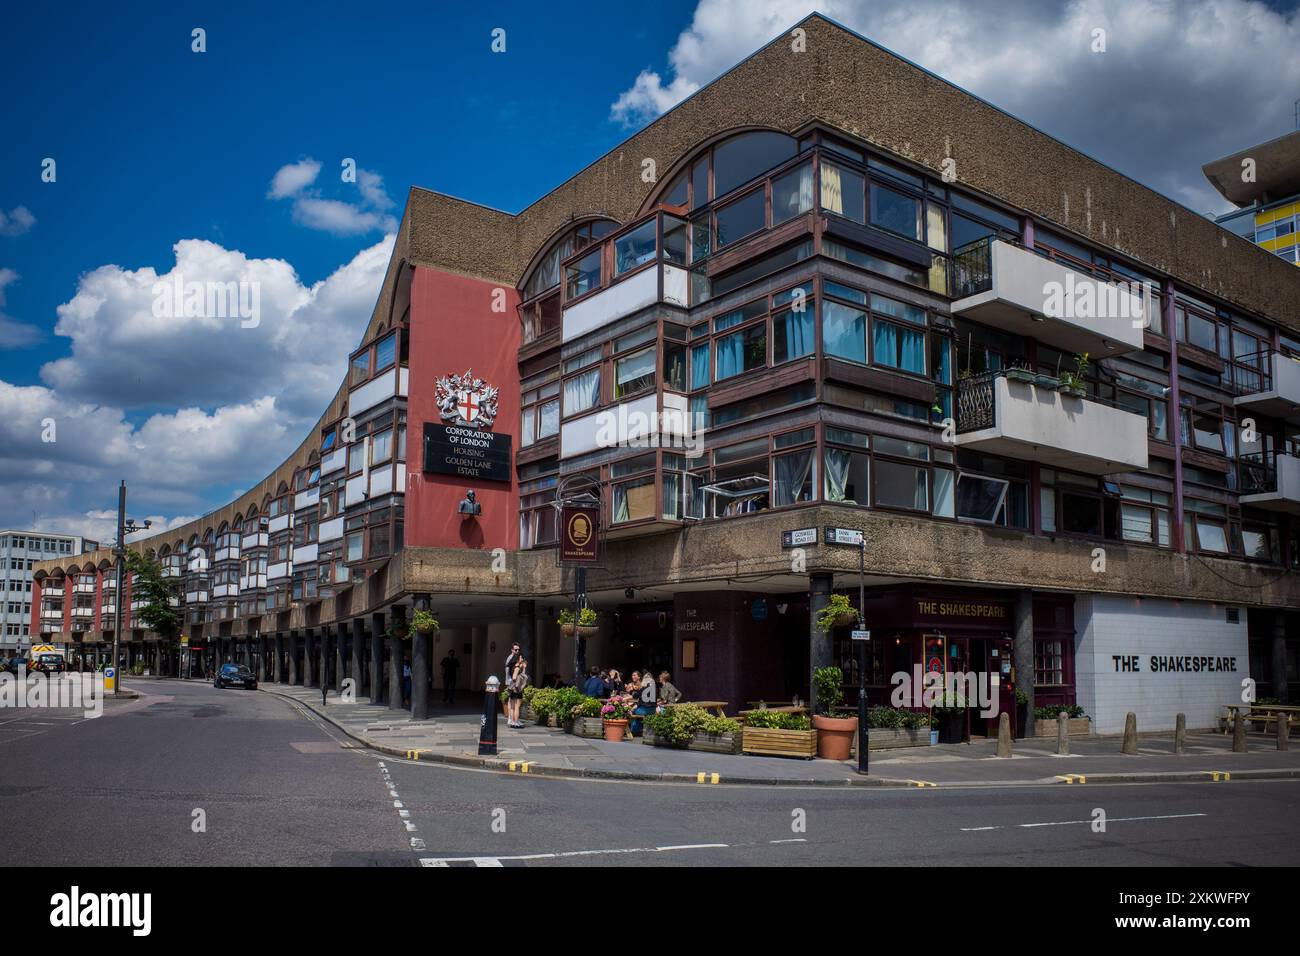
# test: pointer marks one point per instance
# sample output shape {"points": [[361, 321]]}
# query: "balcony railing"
{"points": [[1270, 482], [1266, 383]]}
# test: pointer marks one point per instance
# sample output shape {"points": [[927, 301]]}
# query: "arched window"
{"points": [[540, 311], [727, 165]]}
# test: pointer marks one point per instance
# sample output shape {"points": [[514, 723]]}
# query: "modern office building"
{"points": [[19, 553], [1264, 183], [828, 291]]}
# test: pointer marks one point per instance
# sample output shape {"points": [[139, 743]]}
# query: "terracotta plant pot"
{"points": [[834, 736], [615, 730]]}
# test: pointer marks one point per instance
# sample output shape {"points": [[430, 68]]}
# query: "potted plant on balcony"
{"points": [[584, 626], [834, 733], [838, 613], [424, 622], [617, 712], [1018, 373]]}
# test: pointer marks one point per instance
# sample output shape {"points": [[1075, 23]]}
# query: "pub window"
{"points": [[1049, 663], [537, 511]]}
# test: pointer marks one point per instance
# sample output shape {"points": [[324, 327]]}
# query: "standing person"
{"points": [[668, 693], [450, 665], [643, 689], [406, 682], [515, 696], [511, 658]]}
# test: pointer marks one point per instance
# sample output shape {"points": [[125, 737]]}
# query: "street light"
{"points": [[125, 526]]}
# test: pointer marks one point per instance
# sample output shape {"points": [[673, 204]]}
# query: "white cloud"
{"points": [[237, 400], [14, 334], [335, 216], [18, 221], [293, 178], [1180, 84]]}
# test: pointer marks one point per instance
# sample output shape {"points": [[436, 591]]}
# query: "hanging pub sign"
{"points": [[579, 541], [466, 446]]}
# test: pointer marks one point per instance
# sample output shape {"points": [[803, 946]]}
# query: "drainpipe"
{"points": [[1175, 416]]}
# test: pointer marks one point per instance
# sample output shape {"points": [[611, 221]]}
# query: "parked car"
{"points": [[235, 675], [49, 663], [14, 664]]}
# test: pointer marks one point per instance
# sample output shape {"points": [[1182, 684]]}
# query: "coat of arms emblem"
{"points": [[466, 400]]}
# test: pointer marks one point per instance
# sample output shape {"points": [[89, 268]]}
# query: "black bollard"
{"points": [[487, 734]]}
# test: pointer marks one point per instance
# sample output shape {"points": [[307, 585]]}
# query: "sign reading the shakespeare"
{"points": [[578, 538], [466, 446]]}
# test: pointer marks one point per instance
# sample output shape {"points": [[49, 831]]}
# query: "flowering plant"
{"points": [[618, 707]]}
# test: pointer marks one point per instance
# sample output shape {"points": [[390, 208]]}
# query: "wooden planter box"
{"points": [[709, 743], [1076, 727], [888, 738], [779, 743], [590, 727]]}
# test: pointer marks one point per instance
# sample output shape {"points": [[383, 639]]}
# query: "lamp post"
{"points": [[124, 527]]}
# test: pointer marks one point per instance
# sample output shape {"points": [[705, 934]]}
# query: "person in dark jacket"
{"points": [[594, 686]]}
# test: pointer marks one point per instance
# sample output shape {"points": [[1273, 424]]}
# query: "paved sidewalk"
{"points": [[451, 736]]}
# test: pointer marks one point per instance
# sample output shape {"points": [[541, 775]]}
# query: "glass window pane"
{"points": [[742, 351], [792, 335], [634, 373], [794, 477], [360, 368], [700, 366], [846, 476], [741, 218], [844, 331], [936, 229], [792, 194], [944, 505], [582, 392], [635, 248], [549, 421], [583, 275], [901, 486], [843, 192], [895, 211], [386, 352], [675, 366], [742, 158], [1211, 536]]}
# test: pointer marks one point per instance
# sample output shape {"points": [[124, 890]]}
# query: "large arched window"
{"points": [[727, 165], [540, 311]]}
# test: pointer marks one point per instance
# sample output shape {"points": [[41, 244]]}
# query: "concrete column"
{"points": [[339, 639], [309, 678], [262, 663], [323, 647], [1022, 631], [281, 673], [419, 675], [526, 635], [377, 659], [819, 644], [358, 642], [295, 672], [396, 658], [1279, 657]]}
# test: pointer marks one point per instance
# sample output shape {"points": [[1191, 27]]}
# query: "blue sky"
{"points": [[166, 160]]}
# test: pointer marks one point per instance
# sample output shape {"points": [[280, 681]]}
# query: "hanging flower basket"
{"points": [[584, 626], [424, 622]]}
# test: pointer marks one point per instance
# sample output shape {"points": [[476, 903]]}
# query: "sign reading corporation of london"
{"points": [[466, 446]]}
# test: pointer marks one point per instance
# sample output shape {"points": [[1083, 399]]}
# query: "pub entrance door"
{"points": [[992, 656]]}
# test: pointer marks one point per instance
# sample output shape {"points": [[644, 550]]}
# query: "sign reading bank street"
{"points": [[466, 452]]}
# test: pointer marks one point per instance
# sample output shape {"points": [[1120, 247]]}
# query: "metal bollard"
{"points": [[1062, 732], [487, 733], [1130, 734], [1180, 734]]}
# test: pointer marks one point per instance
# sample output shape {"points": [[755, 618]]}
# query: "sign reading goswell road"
{"points": [[579, 542]]}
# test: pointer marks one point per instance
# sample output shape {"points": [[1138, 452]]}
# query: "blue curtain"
{"points": [[699, 366], [884, 343], [731, 357], [913, 351], [798, 333]]}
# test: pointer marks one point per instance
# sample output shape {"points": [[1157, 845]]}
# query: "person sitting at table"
{"points": [[594, 686], [668, 693], [616, 684]]}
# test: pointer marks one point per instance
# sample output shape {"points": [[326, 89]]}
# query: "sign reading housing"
{"points": [[466, 452]]}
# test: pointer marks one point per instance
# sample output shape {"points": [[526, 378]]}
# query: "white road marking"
{"points": [[795, 840], [1067, 823], [496, 860]]}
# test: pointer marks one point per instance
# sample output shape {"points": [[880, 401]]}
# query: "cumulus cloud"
{"points": [[336, 216], [18, 221], [237, 400], [14, 334], [1178, 85], [293, 178]]}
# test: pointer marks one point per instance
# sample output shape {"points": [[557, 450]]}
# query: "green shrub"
{"points": [[543, 703], [529, 691], [1049, 713], [826, 617], [892, 718], [777, 720], [827, 683], [676, 725], [586, 617], [588, 707]]}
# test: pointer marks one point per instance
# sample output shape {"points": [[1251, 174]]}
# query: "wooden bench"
{"points": [[1260, 716]]}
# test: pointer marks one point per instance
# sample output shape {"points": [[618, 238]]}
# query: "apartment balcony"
{"points": [[53, 592], [258, 540], [196, 597], [83, 613], [643, 422], [1033, 422], [225, 590], [84, 587], [1010, 288], [227, 554], [1273, 391], [1272, 485], [171, 570], [642, 265]]}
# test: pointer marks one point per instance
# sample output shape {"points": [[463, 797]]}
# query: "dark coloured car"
{"points": [[48, 664], [14, 664], [235, 675]]}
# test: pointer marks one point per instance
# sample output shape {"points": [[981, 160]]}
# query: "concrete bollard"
{"points": [[1180, 734], [1004, 734], [1239, 733], [1062, 733], [1283, 732], [1130, 734]]}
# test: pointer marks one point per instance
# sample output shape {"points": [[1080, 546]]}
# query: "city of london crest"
{"points": [[466, 400]]}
